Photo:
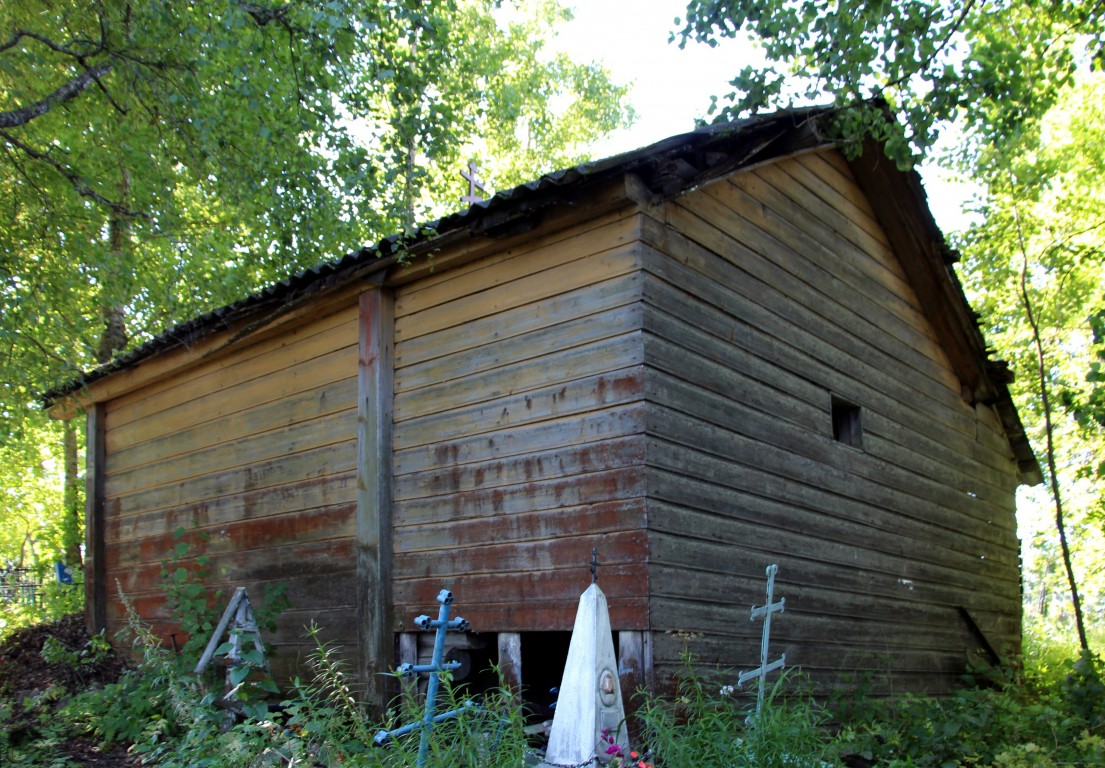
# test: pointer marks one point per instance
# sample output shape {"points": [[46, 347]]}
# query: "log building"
{"points": [[732, 348]]}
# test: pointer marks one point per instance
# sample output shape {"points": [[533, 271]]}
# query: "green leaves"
{"points": [[993, 69], [230, 144]]}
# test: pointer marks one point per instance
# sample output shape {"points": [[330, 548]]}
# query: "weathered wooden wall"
{"points": [[657, 385], [767, 295], [518, 431], [252, 453]]}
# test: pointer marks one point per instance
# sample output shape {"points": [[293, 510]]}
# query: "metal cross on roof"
{"points": [[765, 610], [474, 183]]}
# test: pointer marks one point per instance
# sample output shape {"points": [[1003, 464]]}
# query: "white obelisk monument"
{"points": [[589, 715]]}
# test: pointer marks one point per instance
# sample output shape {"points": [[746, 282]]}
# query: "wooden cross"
{"points": [[474, 183], [765, 610]]}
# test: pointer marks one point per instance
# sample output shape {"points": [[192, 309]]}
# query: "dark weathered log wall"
{"points": [[518, 431], [768, 295], [252, 454], [658, 385]]}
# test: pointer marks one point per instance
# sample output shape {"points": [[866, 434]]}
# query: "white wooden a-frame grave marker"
{"points": [[589, 717], [239, 619]]}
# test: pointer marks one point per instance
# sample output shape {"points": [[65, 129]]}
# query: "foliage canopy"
{"points": [[994, 65], [159, 159]]}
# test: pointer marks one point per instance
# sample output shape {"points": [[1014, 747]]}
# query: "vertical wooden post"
{"points": [[408, 647], [510, 660], [374, 472], [95, 591], [634, 662]]}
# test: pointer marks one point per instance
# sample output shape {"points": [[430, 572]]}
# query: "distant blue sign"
{"points": [[65, 573]]}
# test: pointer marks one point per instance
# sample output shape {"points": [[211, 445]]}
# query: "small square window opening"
{"points": [[846, 423]]}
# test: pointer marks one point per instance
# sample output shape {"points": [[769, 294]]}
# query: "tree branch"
{"points": [[1049, 432], [964, 12], [19, 34], [264, 16], [70, 90], [79, 184]]}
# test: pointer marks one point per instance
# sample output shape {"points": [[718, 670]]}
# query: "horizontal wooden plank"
{"points": [[320, 558], [748, 515], [570, 430], [594, 298], [740, 435], [541, 343], [573, 491], [555, 400], [692, 351], [874, 277], [255, 449], [323, 401], [561, 226], [770, 198], [765, 529], [329, 490], [523, 526], [589, 268], [558, 367], [173, 363], [558, 412], [812, 296], [828, 176], [482, 557], [735, 595], [619, 581], [729, 367], [685, 566], [206, 406], [540, 255], [742, 341], [708, 484], [996, 488], [526, 615], [880, 668], [792, 629], [845, 341], [856, 374], [257, 534], [560, 462], [295, 468], [794, 179], [826, 671], [808, 455], [316, 337]]}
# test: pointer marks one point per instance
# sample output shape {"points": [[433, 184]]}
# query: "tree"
{"points": [[991, 66], [1036, 266], [159, 159]]}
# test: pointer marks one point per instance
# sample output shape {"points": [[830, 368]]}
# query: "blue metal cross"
{"points": [[436, 666], [765, 610]]}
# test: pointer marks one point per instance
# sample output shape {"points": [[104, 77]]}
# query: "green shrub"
{"points": [[1053, 717], [706, 725]]}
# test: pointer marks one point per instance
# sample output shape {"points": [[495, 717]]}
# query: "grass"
{"points": [[1049, 715]]}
